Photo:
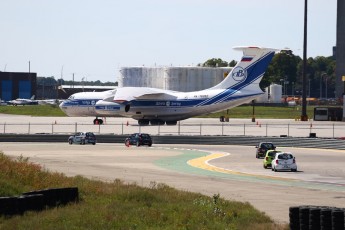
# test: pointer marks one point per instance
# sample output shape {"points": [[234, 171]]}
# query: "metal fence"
{"points": [[294, 129]]}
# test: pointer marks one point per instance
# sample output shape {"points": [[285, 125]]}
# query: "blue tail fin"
{"points": [[250, 70]]}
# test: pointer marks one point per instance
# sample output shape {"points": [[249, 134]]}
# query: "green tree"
{"points": [[321, 71], [215, 62], [232, 63], [282, 70], [46, 81]]}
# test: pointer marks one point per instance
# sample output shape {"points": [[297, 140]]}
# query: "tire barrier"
{"points": [[294, 218], [38, 200], [316, 218]]}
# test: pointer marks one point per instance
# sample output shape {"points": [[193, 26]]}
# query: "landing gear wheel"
{"points": [[143, 122], [97, 121], [171, 122], [70, 142], [157, 122]]}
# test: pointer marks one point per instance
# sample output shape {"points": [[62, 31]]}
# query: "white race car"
{"points": [[284, 161]]}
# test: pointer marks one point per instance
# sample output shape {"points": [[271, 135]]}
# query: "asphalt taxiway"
{"points": [[231, 171]]}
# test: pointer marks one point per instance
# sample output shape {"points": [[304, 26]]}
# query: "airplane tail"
{"points": [[250, 70]]}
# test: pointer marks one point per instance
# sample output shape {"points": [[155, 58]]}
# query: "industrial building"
{"points": [[183, 79], [15, 85]]}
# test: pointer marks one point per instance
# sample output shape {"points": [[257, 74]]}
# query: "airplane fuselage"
{"points": [[179, 106]]}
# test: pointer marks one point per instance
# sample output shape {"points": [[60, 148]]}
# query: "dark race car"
{"points": [[138, 139], [82, 138], [262, 148]]}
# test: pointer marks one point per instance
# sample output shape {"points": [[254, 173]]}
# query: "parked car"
{"points": [[83, 138], [138, 139], [284, 161], [270, 154], [262, 148]]}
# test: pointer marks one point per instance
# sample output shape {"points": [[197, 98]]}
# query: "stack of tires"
{"points": [[316, 217], [38, 200]]}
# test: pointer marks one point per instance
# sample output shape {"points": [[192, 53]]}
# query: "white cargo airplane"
{"points": [[157, 106], [83, 105]]}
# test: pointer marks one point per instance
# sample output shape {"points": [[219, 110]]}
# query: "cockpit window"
{"points": [[71, 97]]}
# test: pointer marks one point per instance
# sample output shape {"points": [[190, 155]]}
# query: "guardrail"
{"points": [[323, 143], [297, 129]]}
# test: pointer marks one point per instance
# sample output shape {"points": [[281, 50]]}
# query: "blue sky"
{"points": [[93, 39]]}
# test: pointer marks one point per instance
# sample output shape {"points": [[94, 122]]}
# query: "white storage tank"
{"points": [[275, 93], [184, 79]]}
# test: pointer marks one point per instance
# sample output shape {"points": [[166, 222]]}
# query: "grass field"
{"points": [[245, 111], [33, 110], [118, 205]]}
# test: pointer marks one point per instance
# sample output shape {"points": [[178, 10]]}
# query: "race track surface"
{"points": [[231, 171]]}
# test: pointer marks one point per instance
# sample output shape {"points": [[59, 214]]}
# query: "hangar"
{"points": [[15, 85]]}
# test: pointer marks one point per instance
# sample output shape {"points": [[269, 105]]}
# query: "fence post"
{"points": [[178, 131], [75, 127], [200, 128], [4, 127], [159, 129], [244, 129], [333, 130], [29, 128], [288, 129], [122, 128], [99, 128], [266, 129]]}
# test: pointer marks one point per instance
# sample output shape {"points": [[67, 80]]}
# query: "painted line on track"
{"points": [[203, 163], [197, 162]]}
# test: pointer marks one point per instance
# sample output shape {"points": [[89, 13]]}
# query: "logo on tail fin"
{"points": [[239, 74]]}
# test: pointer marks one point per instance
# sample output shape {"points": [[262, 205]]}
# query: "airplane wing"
{"points": [[155, 96], [137, 93]]}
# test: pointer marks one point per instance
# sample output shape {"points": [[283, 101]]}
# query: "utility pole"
{"points": [[304, 116]]}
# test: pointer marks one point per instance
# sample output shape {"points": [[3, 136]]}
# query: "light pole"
{"points": [[326, 87], [304, 116], [320, 86], [321, 78]]}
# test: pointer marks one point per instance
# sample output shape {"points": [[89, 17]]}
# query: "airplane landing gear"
{"points": [[97, 121], [143, 122]]}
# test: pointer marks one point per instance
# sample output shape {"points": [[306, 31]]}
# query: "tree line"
{"points": [[285, 69]]}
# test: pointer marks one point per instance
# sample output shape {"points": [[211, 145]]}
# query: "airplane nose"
{"points": [[63, 107]]}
